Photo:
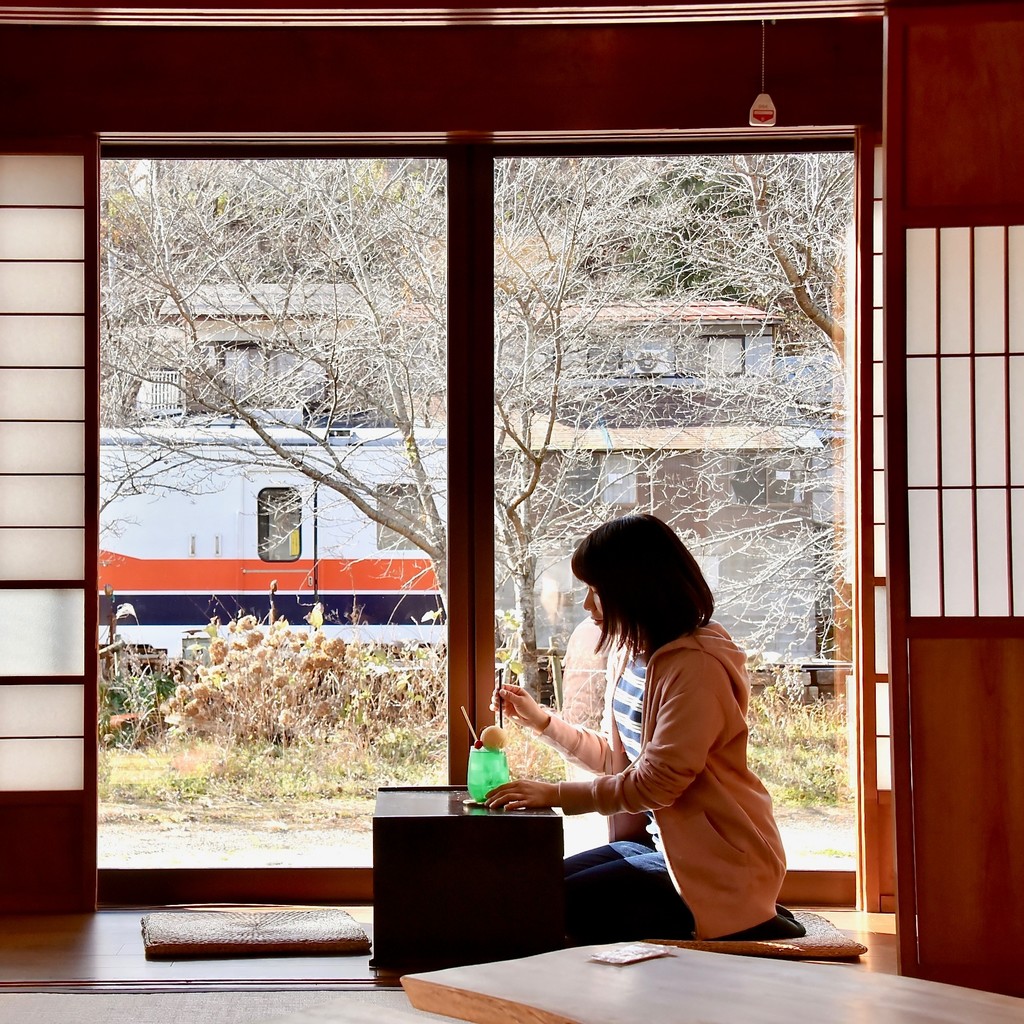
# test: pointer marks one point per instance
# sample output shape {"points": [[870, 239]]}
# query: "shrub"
{"points": [[528, 758], [130, 700], [278, 685], [289, 714]]}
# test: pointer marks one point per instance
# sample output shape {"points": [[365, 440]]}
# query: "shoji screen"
{"points": [[965, 402], [47, 530], [954, 379]]}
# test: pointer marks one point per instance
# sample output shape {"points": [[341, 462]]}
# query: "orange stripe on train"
{"points": [[210, 575]]}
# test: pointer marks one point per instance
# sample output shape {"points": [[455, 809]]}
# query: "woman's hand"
{"points": [[518, 705], [522, 793]]}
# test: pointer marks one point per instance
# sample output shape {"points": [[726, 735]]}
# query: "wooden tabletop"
{"points": [[693, 987]]}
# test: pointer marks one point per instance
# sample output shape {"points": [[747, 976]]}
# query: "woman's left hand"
{"points": [[522, 793]]}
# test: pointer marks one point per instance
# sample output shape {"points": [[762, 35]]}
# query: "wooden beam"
{"points": [[438, 84]]}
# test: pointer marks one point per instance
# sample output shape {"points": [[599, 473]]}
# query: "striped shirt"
{"points": [[628, 706], [627, 712]]}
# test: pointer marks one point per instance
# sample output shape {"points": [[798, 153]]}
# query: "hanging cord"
{"points": [[762, 55]]}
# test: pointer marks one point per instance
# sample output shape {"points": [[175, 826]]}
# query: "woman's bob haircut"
{"points": [[650, 587]]}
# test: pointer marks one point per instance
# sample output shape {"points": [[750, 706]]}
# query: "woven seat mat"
{"points": [[205, 934], [823, 941]]}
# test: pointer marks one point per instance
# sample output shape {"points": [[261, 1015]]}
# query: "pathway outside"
{"points": [[815, 838]]}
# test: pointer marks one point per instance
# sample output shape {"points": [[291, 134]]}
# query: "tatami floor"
{"points": [[103, 951]]}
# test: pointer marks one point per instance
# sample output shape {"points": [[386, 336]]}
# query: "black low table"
{"points": [[456, 884]]}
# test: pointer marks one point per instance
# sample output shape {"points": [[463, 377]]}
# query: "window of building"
{"points": [[784, 484], [727, 355], [604, 360], [777, 482], [619, 479]]}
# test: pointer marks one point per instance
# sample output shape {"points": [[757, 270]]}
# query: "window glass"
{"points": [[278, 523], [273, 483], [725, 354], [649, 355]]}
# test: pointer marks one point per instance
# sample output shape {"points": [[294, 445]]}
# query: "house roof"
{"points": [[220, 300], [686, 312], [720, 437], [226, 299]]}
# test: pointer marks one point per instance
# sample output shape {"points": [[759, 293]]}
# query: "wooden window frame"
{"points": [[470, 498]]}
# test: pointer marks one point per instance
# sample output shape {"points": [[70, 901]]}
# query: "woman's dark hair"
{"points": [[650, 586]]}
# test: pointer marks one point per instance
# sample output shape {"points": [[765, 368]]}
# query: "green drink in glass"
{"points": [[487, 770]]}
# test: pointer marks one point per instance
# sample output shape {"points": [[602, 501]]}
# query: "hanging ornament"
{"points": [[762, 111]]}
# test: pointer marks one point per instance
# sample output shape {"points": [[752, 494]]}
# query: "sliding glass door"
{"points": [[273, 505], [358, 409], [671, 337]]}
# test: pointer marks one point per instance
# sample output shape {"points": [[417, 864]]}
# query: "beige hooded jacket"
{"points": [[721, 843]]}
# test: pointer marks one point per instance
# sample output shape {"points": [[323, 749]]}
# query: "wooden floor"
{"points": [[104, 952]]}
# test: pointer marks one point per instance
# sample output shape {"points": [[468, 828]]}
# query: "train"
{"points": [[198, 522]]}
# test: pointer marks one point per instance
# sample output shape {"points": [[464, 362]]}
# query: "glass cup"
{"points": [[487, 770]]}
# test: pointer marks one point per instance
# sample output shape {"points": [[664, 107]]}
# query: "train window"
{"points": [[278, 517]]}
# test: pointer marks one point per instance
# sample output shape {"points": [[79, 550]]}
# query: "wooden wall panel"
{"points": [[386, 11], [693, 76], [42, 867], [127, 887], [967, 724], [963, 84]]}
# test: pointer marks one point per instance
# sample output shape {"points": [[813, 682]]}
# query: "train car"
{"points": [[197, 523]]}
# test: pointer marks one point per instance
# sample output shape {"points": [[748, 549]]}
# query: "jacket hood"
{"points": [[712, 639]]}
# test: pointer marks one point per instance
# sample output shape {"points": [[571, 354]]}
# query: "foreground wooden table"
{"points": [[346, 1011], [694, 987]]}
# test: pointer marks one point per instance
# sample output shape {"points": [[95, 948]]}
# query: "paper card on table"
{"points": [[631, 954]]}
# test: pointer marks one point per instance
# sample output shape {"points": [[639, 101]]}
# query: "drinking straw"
{"points": [[465, 715]]}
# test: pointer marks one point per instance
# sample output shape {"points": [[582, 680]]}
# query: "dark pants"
{"points": [[623, 892]]}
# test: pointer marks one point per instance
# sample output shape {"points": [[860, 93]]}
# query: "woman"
{"points": [[710, 862]]}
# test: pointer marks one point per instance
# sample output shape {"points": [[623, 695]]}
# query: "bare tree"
{"points": [[266, 286], [609, 397], [272, 286]]}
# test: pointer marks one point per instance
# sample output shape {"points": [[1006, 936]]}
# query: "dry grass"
{"points": [[280, 714], [799, 750], [291, 718]]}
